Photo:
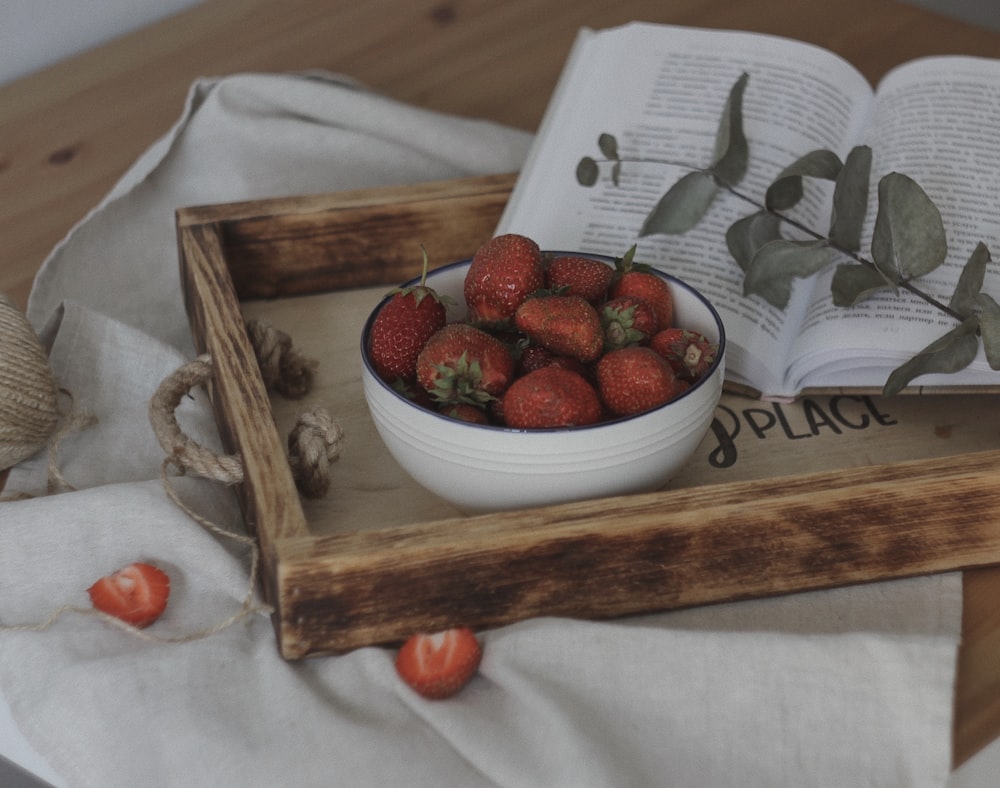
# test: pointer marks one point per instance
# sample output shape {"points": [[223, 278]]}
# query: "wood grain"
{"points": [[352, 238], [599, 559], [69, 132], [621, 556]]}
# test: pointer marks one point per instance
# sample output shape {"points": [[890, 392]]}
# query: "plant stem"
{"points": [[904, 284]]}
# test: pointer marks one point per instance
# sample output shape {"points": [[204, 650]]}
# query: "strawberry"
{"points": [[627, 320], [462, 363], [463, 411], [580, 276], [504, 271], [551, 397], [402, 326], [635, 379], [137, 594], [688, 352], [414, 393], [438, 665], [564, 324], [637, 279], [535, 357]]}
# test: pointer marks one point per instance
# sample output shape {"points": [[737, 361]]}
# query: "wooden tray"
{"points": [[333, 592]]}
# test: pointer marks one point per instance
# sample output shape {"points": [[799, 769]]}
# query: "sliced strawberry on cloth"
{"points": [[438, 665], [136, 594]]}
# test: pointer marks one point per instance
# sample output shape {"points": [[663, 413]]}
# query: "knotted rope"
{"points": [[28, 397], [314, 443]]}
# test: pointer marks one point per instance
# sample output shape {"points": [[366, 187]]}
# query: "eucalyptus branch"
{"points": [[908, 240], [854, 255], [792, 222]]}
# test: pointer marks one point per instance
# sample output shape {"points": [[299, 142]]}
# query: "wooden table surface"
{"points": [[69, 132]]}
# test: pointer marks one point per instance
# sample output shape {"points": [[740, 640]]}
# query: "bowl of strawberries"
{"points": [[522, 377]]}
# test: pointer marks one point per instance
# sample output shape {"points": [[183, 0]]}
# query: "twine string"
{"points": [[314, 445]]}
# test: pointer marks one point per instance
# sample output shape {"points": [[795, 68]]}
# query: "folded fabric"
{"points": [[846, 687]]}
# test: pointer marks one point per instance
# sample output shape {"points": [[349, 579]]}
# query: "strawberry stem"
{"points": [[423, 275]]}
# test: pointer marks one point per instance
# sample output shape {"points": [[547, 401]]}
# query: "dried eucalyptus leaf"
{"points": [[853, 283], [909, 238], [989, 328], [850, 199], [950, 353], [786, 191], [731, 147], [587, 171], [777, 263], [970, 282], [608, 145], [616, 173], [683, 206], [749, 234]]}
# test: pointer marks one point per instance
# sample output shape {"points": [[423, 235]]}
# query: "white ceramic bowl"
{"points": [[485, 468]]}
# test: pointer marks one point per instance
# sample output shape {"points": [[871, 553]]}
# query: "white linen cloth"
{"points": [[847, 687]]}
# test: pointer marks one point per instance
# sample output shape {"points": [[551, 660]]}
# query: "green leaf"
{"points": [[970, 282], [786, 191], [616, 173], [750, 233], [850, 199], [683, 206], [777, 263], [731, 147], [608, 145], [989, 328], [853, 283], [587, 171], [950, 353], [909, 239]]}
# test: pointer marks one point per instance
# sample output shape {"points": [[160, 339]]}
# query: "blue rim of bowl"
{"points": [[673, 280]]}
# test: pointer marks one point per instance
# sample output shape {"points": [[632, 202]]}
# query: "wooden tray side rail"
{"points": [[597, 559], [300, 245], [662, 551], [268, 497]]}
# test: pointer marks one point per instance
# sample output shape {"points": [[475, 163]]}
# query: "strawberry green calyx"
{"points": [[420, 291], [461, 363], [460, 382], [627, 321]]}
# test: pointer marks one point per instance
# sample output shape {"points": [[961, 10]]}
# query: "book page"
{"points": [[660, 90], [936, 120]]}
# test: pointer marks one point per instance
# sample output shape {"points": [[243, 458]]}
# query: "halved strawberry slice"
{"points": [[137, 594], [438, 665]]}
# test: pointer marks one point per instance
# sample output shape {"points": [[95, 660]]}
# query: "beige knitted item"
{"points": [[29, 411]]}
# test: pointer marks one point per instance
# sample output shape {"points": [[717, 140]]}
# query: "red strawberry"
{"points": [[635, 379], [566, 325], [414, 393], [137, 594], [688, 352], [551, 397], [504, 271], [439, 665], [627, 320], [402, 326], [580, 276], [462, 363], [536, 357], [637, 279], [463, 411]]}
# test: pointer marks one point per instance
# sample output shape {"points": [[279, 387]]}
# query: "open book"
{"points": [[660, 91]]}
